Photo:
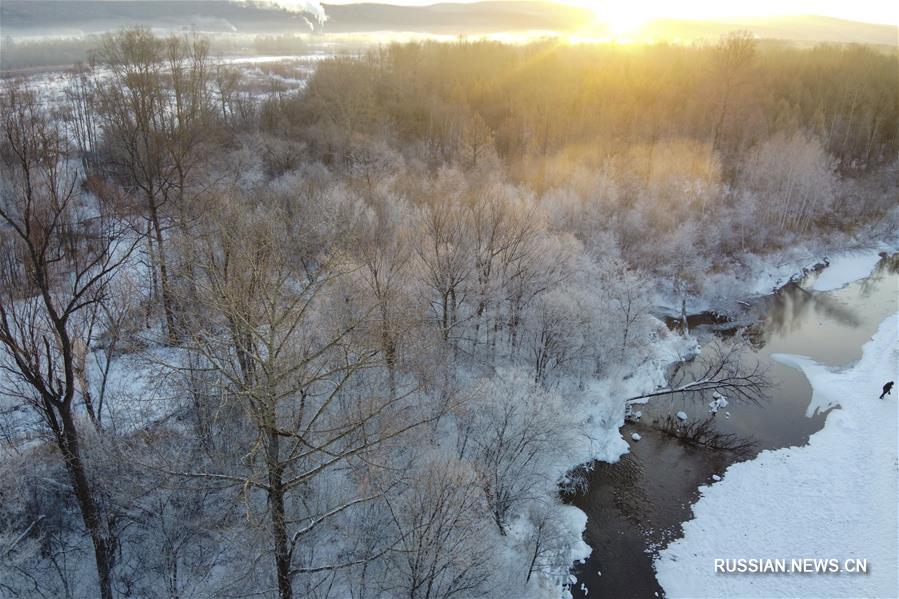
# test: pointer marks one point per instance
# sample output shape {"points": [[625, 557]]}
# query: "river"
{"points": [[635, 507]]}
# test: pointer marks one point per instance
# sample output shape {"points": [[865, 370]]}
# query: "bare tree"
{"points": [[385, 254], [445, 256], [155, 113], [80, 112], [732, 59], [476, 143], [67, 253], [626, 291], [516, 431], [548, 546], [442, 552], [500, 228], [226, 80], [262, 329], [722, 367]]}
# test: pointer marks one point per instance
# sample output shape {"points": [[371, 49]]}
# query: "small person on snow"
{"points": [[886, 389]]}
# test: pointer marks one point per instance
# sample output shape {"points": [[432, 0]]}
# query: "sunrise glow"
{"points": [[627, 16]]}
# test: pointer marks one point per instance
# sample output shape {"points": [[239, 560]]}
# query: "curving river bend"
{"points": [[635, 507]]}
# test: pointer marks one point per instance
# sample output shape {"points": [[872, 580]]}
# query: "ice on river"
{"points": [[845, 269], [833, 498]]}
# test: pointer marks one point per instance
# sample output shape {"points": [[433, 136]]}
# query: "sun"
{"points": [[623, 17]]}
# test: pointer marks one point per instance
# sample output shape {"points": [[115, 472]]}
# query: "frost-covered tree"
{"points": [[285, 352], [442, 549], [68, 249], [793, 179], [517, 431]]}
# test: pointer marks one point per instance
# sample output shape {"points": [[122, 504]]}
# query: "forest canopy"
{"points": [[347, 337]]}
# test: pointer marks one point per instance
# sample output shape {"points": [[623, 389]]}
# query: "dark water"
{"points": [[636, 506]]}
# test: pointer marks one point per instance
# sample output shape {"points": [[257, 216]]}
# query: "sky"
{"points": [[629, 12]]}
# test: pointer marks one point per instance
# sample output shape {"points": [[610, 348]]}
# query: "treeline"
{"points": [[24, 54], [594, 101], [750, 143], [66, 52]]}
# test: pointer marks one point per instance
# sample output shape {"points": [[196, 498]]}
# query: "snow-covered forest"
{"points": [[352, 338]]}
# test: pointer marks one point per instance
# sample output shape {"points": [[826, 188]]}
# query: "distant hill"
{"points": [[811, 28], [449, 18], [75, 17]]}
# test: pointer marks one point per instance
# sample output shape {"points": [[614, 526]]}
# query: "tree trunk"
{"points": [[279, 523], [67, 440], [533, 561], [719, 125], [167, 306], [388, 343]]}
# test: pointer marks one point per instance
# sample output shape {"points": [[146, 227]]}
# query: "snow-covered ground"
{"points": [[752, 276], [833, 498], [845, 269], [53, 85]]}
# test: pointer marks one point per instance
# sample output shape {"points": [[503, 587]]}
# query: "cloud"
{"points": [[298, 6]]}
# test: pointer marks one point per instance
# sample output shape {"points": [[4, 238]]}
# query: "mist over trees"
{"points": [[342, 342]]}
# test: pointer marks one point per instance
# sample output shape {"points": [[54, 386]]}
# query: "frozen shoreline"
{"points": [[604, 417], [755, 276], [833, 498], [767, 274]]}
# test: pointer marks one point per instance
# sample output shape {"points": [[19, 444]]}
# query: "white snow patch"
{"points": [[833, 498], [636, 436], [718, 402], [682, 416], [575, 521], [755, 275], [845, 269], [769, 277]]}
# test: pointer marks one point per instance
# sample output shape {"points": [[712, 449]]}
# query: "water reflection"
{"points": [[829, 327], [636, 507], [791, 307], [888, 265]]}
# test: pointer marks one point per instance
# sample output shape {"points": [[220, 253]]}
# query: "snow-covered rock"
{"points": [[682, 416], [636, 436], [718, 402]]}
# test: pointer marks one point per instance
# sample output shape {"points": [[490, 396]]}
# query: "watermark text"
{"points": [[805, 565]]}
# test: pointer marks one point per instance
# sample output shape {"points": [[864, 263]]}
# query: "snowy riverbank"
{"points": [[752, 275], [600, 437], [834, 498]]}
